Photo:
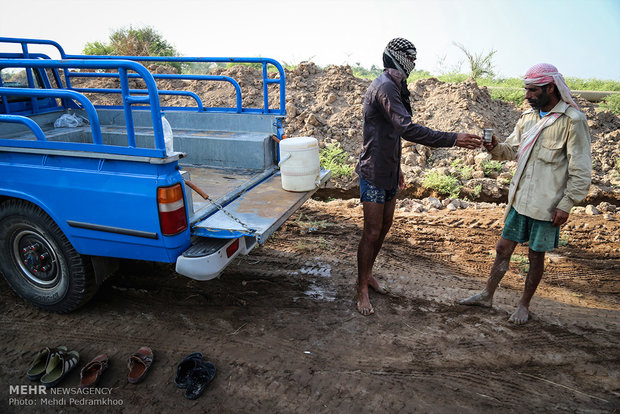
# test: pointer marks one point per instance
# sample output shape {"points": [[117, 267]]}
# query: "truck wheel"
{"points": [[38, 261]]}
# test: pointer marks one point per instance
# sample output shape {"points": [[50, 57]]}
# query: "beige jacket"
{"points": [[559, 169]]}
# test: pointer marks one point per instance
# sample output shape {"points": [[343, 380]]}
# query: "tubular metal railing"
{"points": [[152, 100], [264, 62], [123, 68]]}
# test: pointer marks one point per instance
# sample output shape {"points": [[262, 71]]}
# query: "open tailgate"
{"points": [[258, 211]]}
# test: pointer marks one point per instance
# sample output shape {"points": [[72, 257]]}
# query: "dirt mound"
{"points": [[327, 104]]}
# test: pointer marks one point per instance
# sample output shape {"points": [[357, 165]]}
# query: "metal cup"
{"points": [[487, 135]]}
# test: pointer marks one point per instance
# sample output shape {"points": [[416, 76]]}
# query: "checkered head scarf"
{"points": [[400, 54], [544, 74]]}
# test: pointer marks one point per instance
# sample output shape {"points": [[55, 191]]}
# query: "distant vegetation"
{"points": [[146, 41], [611, 103], [480, 67]]}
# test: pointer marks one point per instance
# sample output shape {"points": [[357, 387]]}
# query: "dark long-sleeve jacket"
{"points": [[385, 121]]}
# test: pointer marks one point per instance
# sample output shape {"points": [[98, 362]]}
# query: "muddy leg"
{"points": [[504, 249], [366, 253], [388, 216], [537, 268]]}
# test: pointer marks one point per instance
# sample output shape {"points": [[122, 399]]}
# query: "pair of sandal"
{"points": [[194, 375], [52, 365], [139, 364]]}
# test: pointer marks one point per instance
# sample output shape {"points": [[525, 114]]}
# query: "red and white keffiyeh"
{"points": [[545, 73]]}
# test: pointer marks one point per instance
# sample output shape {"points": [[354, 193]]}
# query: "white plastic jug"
{"points": [[299, 163], [168, 137]]}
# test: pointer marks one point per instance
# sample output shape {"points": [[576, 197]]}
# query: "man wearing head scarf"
{"points": [[387, 119], [551, 144]]}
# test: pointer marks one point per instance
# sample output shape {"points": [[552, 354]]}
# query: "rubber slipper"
{"points": [[139, 364], [91, 373], [59, 366], [40, 362], [185, 368], [199, 378]]}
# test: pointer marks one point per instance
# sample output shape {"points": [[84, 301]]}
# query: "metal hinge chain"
{"points": [[219, 207]]}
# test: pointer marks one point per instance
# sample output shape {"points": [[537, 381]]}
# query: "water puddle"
{"points": [[317, 290]]}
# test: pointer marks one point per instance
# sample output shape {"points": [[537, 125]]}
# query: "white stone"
{"points": [[483, 156], [432, 202]]}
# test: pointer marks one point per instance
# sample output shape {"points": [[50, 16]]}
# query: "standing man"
{"points": [[387, 118], [551, 144]]}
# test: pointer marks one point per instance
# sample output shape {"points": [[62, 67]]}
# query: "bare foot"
{"points": [[376, 286], [520, 316], [363, 303], [479, 299]]}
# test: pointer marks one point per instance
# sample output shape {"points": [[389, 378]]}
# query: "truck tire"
{"points": [[39, 262]]}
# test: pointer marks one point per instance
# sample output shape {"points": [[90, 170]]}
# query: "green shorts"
{"points": [[541, 235]]}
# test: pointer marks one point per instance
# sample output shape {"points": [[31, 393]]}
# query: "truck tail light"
{"points": [[171, 206], [234, 246]]}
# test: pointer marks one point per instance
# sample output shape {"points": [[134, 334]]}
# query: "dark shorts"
{"points": [[541, 235], [374, 194]]}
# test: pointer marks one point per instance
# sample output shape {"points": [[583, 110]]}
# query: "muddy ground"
{"points": [[281, 326]]}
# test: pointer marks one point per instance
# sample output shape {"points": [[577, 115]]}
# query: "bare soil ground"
{"points": [[281, 326]]}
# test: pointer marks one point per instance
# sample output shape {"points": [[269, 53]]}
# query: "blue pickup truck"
{"points": [[83, 184]]}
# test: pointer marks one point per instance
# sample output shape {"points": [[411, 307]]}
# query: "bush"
{"points": [[592, 84], [419, 74], [361, 72], [443, 184], [334, 158], [453, 77], [611, 103], [465, 171], [489, 166], [477, 191], [516, 96], [145, 41]]}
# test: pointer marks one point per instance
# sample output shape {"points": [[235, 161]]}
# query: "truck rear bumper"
{"points": [[207, 257]]}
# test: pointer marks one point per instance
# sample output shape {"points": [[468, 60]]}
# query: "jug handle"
{"points": [[286, 157]]}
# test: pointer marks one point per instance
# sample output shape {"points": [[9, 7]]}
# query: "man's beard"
{"points": [[541, 101]]}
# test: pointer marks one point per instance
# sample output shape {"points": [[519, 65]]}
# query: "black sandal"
{"points": [[199, 378], [41, 361], [59, 366], [185, 368]]}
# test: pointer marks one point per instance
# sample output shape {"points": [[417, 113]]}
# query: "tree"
{"points": [[479, 64], [145, 41]]}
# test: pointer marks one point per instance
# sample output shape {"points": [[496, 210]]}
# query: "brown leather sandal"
{"points": [[91, 373], [139, 364]]}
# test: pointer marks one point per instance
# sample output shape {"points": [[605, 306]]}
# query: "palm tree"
{"points": [[479, 64]]}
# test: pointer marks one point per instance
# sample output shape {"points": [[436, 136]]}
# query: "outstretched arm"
{"points": [[468, 141]]}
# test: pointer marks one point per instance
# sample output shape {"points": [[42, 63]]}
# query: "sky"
{"points": [[581, 38]]}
